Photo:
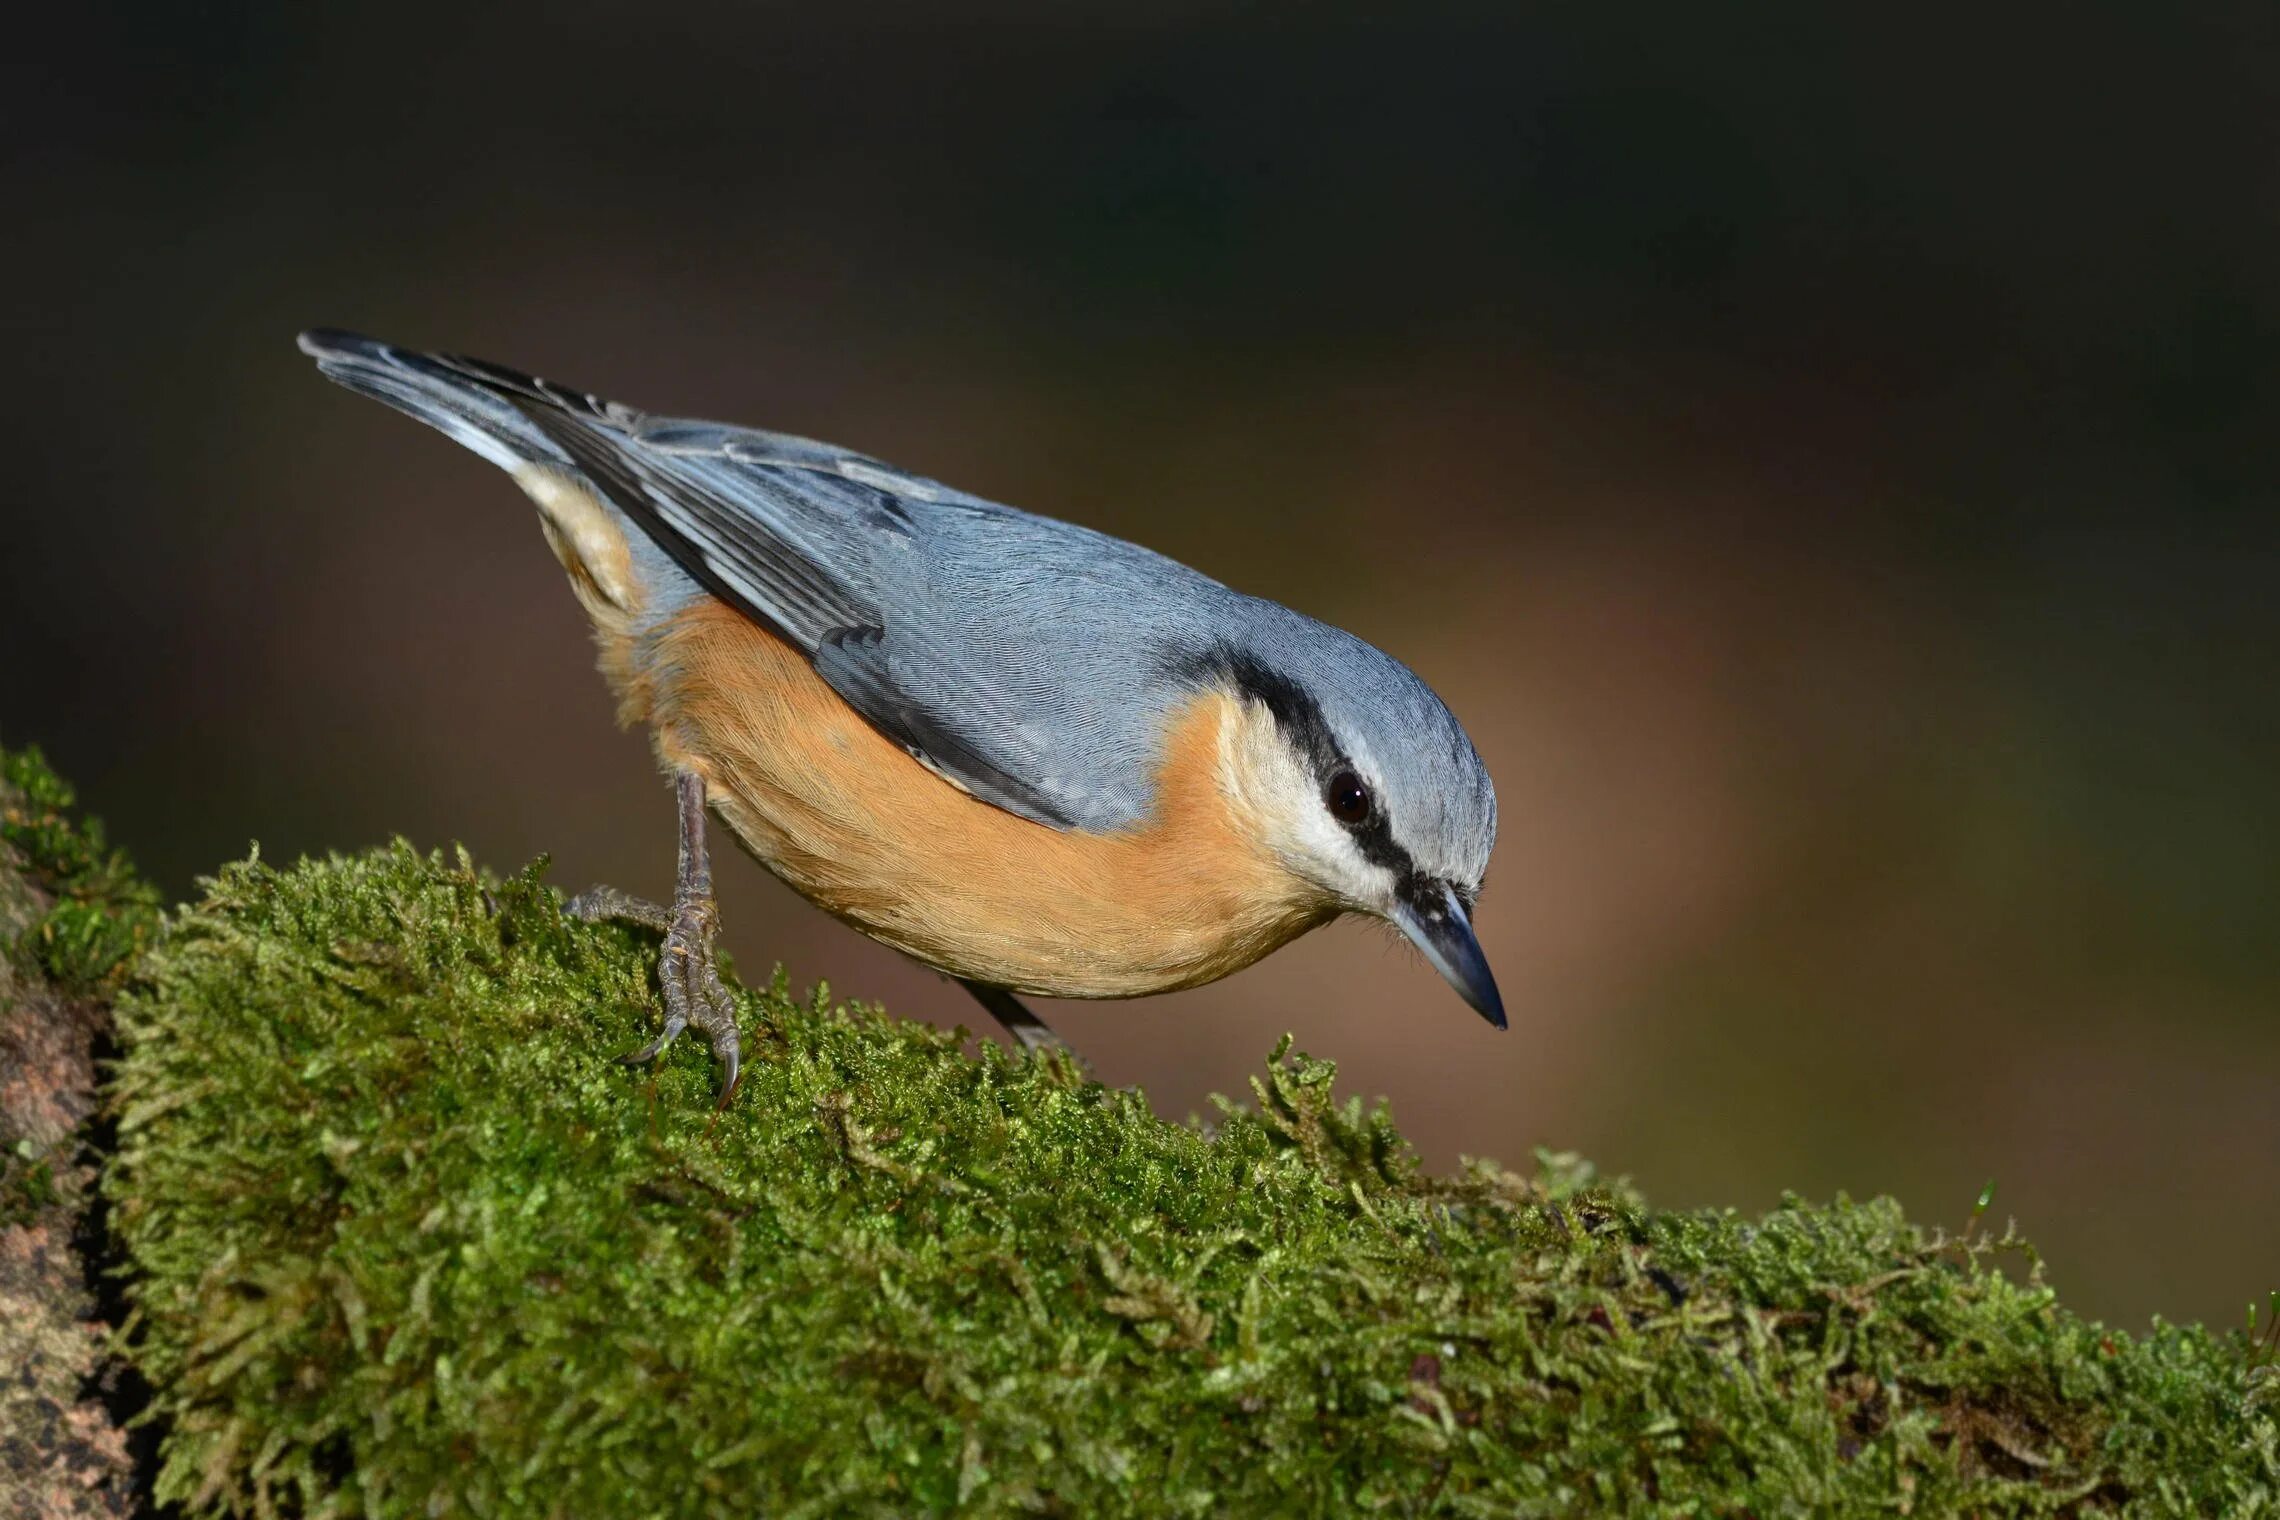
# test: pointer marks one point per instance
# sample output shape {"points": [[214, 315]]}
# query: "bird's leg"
{"points": [[1026, 1027], [685, 967]]}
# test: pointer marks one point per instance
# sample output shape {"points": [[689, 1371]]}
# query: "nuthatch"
{"points": [[1037, 758]]}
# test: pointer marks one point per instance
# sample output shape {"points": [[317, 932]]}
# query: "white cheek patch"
{"points": [[1275, 798]]}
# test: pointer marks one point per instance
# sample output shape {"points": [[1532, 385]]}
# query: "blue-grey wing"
{"points": [[982, 639], [1032, 662], [978, 637], [765, 536], [956, 727]]}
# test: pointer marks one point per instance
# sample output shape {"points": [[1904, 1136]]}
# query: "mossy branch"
{"points": [[405, 1241]]}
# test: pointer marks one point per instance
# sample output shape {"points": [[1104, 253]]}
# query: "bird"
{"points": [[1040, 759]]}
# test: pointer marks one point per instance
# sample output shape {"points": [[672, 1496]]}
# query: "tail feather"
{"points": [[471, 402], [758, 519]]}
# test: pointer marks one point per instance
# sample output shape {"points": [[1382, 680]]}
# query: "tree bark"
{"points": [[62, 1454]]}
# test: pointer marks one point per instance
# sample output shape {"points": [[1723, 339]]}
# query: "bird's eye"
{"points": [[1347, 799]]}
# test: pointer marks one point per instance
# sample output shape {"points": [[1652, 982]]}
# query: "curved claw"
{"points": [[731, 1072], [648, 1052]]}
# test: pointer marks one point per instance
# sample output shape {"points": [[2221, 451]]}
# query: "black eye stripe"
{"points": [[1300, 718], [1295, 711], [1374, 838]]}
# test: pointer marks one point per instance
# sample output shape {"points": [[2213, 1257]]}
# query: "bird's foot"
{"points": [[686, 971], [685, 967]]}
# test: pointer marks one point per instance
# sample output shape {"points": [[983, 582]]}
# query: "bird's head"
{"points": [[1354, 775]]}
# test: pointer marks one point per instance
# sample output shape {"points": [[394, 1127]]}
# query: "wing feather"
{"points": [[752, 515], [930, 611]]}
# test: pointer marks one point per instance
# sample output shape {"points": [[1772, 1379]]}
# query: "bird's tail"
{"points": [[484, 407]]}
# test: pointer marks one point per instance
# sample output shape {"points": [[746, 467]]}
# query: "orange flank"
{"points": [[864, 831]]}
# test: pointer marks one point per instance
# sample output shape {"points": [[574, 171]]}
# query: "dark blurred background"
{"points": [[1826, 455]]}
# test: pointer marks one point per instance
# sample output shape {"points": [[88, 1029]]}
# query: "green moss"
{"points": [[100, 913], [406, 1242]]}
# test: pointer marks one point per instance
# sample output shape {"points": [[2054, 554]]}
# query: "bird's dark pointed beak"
{"points": [[1436, 923]]}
